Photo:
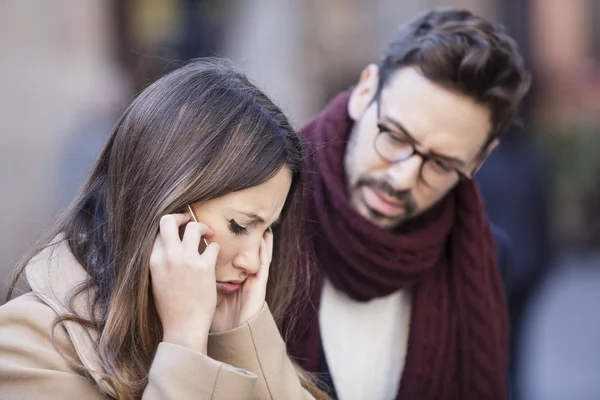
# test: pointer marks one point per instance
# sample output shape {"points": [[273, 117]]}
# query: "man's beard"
{"points": [[401, 196]]}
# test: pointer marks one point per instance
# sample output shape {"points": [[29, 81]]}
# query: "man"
{"points": [[407, 300]]}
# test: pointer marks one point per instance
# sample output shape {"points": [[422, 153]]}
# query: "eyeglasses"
{"points": [[394, 147]]}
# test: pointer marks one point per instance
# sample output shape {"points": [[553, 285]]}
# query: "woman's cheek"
{"points": [[225, 258]]}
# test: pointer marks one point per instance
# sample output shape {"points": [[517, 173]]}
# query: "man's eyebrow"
{"points": [[461, 163], [400, 127]]}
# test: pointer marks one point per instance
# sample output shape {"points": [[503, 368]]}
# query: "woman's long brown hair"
{"points": [[196, 134]]}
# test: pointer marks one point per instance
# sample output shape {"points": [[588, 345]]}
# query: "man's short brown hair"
{"points": [[463, 52]]}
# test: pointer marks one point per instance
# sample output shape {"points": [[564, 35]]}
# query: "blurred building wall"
{"points": [[303, 51], [566, 45], [52, 53]]}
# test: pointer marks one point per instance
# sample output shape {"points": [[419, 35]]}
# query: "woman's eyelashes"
{"points": [[237, 229]]}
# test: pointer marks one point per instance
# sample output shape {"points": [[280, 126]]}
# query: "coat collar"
{"points": [[54, 275]]}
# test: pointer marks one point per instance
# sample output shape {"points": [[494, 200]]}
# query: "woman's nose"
{"points": [[248, 259]]}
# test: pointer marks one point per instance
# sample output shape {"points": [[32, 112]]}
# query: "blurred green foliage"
{"points": [[574, 153]]}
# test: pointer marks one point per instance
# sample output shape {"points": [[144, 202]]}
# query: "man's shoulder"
{"points": [[310, 131]]}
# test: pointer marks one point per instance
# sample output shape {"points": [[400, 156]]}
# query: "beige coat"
{"points": [[249, 362]]}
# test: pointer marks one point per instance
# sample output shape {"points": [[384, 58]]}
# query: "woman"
{"points": [[127, 287]]}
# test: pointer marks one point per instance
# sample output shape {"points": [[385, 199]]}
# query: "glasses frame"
{"points": [[383, 129]]}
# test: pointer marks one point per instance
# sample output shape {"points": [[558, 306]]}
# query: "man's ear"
{"points": [[363, 92]]}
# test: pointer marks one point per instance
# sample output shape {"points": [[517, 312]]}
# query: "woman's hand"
{"points": [[183, 282], [236, 308]]}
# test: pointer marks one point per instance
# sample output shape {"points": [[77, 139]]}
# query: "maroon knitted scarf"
{"points": [[457, 345]]}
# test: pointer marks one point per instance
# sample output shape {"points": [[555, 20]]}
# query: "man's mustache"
{"points": [[402, 196]]}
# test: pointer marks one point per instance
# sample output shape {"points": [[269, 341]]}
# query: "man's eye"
{"points": [[236, 228], [440, 166], [396, 137]]}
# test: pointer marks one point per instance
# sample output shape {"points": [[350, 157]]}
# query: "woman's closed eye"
{"points": [[236, 228]]}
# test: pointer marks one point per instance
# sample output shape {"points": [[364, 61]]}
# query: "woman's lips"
{"points": [[229, 287]]}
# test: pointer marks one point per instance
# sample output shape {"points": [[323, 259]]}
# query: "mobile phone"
{"points": [[203, 243]]}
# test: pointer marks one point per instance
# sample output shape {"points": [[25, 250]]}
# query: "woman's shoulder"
{"points": [[27, 309], [26, 330], [37, 359]]}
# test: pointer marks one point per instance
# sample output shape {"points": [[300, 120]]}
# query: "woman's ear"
{"points": [[363, 92]]}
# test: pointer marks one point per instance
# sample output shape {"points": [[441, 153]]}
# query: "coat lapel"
{"points": [[54, 275]]}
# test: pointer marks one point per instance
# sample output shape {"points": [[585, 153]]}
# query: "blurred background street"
{"points": [[68, 68]]}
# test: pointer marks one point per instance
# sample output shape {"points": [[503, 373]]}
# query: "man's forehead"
{"points": [[440, 119]]}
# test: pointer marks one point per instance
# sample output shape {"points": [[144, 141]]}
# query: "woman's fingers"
{"points": [[269, 239], [169, 228], [193, 236], [265, 254], [183, 281], [209, 257], [158, 259]]}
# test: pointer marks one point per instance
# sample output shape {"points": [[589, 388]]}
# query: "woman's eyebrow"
{"points": [[254, 217], [257, 218]]}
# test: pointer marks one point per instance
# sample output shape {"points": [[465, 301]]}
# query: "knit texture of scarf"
{"points": [[458, 337]]}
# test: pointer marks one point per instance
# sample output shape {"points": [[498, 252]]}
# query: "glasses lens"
{"points": [[437, 179], [391, 149]]}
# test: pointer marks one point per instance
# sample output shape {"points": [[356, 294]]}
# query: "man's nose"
{"points": [[404, 175]]}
